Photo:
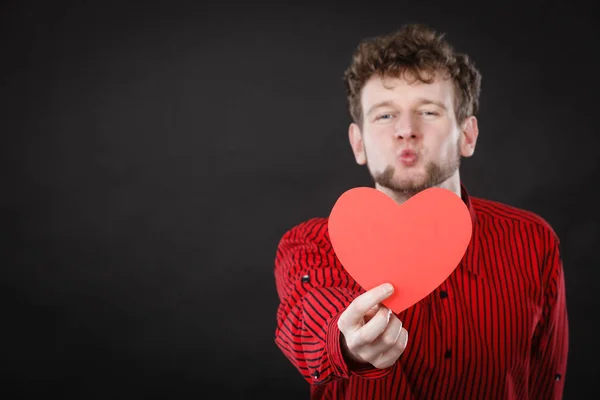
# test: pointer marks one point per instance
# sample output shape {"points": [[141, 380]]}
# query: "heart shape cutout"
{"points": [[414, 246]]}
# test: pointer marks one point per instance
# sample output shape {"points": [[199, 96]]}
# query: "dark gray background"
{"points": [[152, 157]]}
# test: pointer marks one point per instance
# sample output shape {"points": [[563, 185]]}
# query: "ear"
{"points": [[469, 133], [356, 141]]}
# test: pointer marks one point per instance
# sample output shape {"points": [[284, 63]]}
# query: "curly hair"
{"points": [[420, 51]]}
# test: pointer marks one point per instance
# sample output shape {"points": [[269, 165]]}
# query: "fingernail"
{"points": [[388, 288]]}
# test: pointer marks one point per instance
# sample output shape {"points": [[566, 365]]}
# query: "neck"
{"points": [[452, 184]]}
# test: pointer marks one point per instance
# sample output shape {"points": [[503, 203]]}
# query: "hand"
{"points": [[371, 332]]}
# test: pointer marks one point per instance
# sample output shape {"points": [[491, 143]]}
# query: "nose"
{"points": [[405, 128]]}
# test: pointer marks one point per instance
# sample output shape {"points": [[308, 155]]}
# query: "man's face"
{"points": [[410, 139]]}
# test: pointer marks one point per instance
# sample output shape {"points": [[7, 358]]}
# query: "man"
{"points": [[497, 327]]}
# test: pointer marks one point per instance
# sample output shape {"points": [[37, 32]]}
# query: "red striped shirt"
{"points": [[496, 328]]}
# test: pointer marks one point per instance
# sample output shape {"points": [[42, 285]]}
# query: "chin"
{"points": [[412, 178], [410, 185]]}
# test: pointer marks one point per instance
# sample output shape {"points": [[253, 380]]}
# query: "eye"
{"points": [[429, 113], [384, 116]]}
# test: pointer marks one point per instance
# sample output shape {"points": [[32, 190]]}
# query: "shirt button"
{"points": [[557, 377], [443, 294], [315, 375], [305, 278], [448, 353]]}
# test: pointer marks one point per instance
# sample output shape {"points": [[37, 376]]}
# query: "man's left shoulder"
{"points": [[493, 210]]}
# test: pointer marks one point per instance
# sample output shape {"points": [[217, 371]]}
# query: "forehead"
{"points": [[406, 89]]}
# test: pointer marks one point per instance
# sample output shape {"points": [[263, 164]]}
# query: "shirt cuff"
{"points": [[338, 363]]}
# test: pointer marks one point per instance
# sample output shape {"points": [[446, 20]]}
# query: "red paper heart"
{"points": [[414, 246]]}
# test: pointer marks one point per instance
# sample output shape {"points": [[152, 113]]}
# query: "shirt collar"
{"points": [[468, 260], [467, 200]]}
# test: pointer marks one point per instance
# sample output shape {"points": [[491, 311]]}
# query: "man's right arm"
{"points": [[314, 290]]}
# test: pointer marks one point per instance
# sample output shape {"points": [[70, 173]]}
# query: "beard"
{"points": [[435, 174]]}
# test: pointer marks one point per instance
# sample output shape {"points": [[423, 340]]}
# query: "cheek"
{"points": [[441, 140], [445, 149], [378, 142]]}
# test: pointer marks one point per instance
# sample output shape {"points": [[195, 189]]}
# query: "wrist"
{"points": [[354, 362]]}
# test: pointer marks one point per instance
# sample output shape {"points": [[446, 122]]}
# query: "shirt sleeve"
{"points": [[314, 289], [551, 336]]}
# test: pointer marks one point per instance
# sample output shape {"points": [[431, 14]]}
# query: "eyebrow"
{"points": [[423, 101], [389, 103]]}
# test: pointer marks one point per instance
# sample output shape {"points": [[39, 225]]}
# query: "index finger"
{"points": [[363, 303]]}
